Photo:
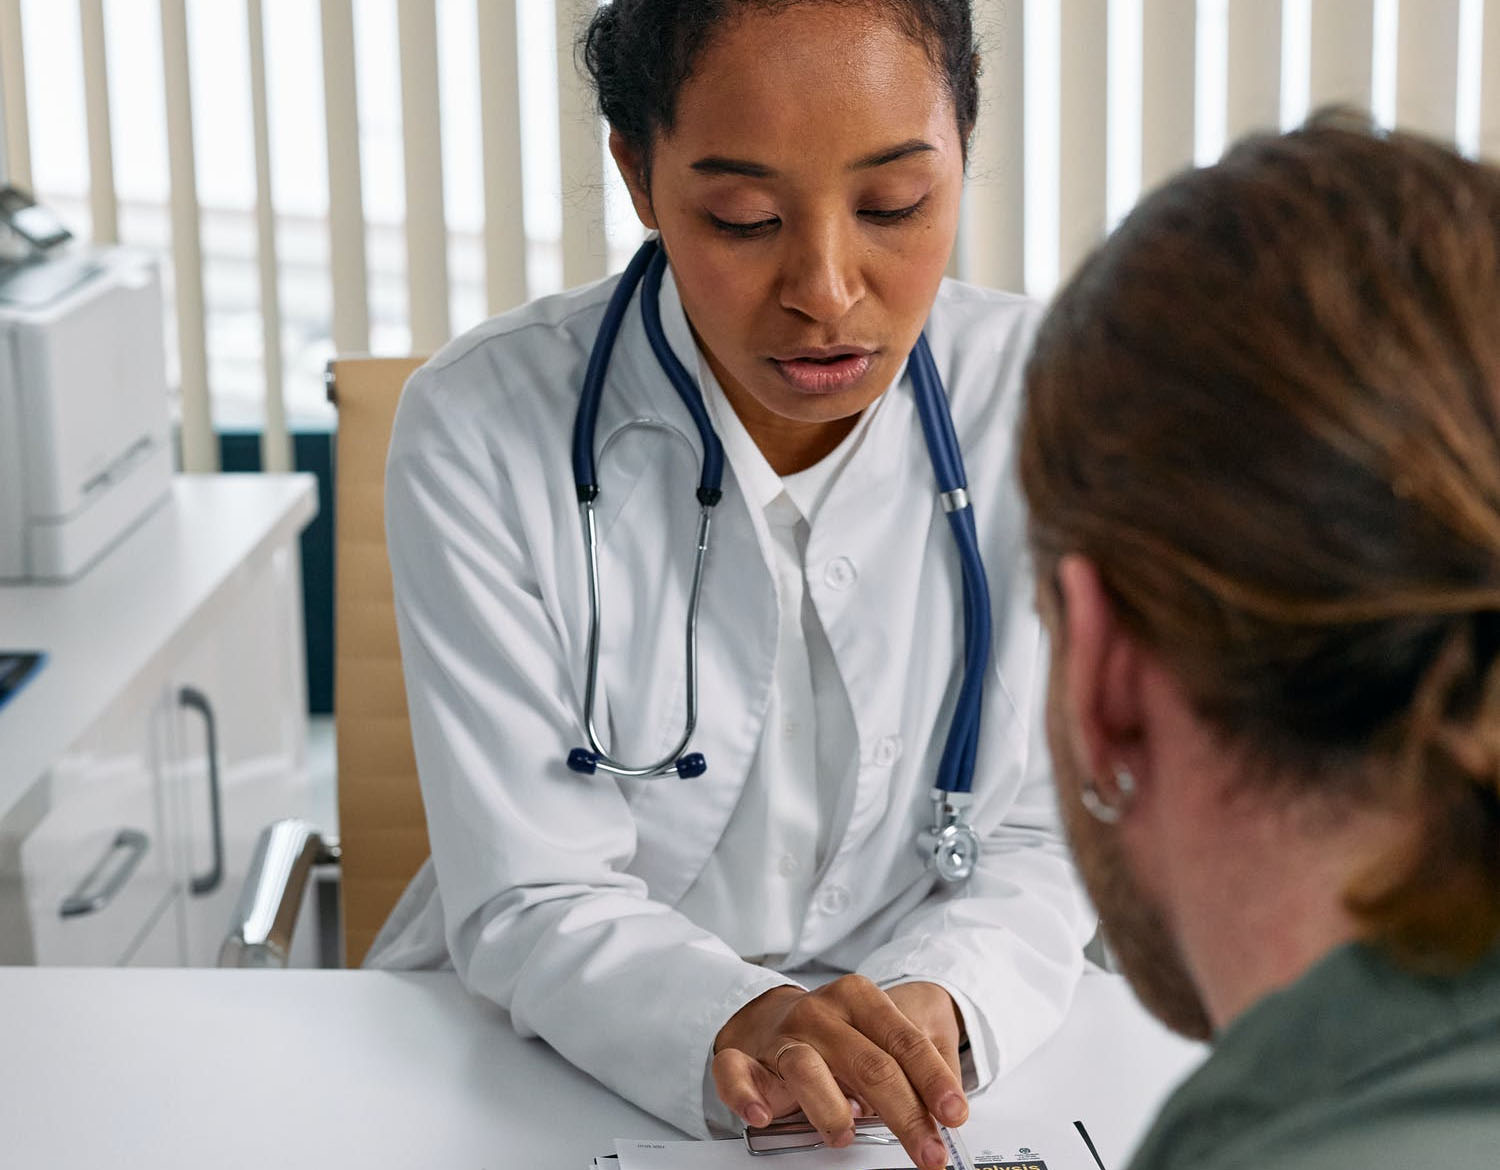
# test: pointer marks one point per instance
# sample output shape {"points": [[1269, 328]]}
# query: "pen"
{"points": [[958, 1155]]}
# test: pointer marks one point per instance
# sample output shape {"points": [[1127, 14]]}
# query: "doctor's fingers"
{"points": [[913, 1048], [876, 1077], [751, 1090], [932, 1009]]}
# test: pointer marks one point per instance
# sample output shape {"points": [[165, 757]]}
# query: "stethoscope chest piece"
{"points": [[950, 846]]}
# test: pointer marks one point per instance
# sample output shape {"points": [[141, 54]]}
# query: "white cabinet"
{"points": [[91, 866], [243, 688], [131, 843]]}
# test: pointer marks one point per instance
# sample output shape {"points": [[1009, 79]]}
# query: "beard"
{"points": [[1132, 922]]}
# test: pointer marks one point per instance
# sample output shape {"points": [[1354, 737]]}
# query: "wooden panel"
{"points": [[200, 449], [1083, 129], [1427, 67], [13, 80], [585, 250], [1343, 52], [1254, 91], [421, 123], [500, 123], [1169, 50], [275, 446], [995, 219], [382, 825], [346, 208], [103, 204]]}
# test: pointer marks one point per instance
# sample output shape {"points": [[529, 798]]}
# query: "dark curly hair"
{"points": [[639, 53]]}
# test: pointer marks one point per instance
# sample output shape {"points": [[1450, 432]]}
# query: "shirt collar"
{"points": [[757, 479]]}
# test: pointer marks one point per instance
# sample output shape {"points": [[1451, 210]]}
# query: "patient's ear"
{"points": [[1101, 664]]}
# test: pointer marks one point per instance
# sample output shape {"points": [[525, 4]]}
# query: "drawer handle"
{"points": [[196, 700], [129, 845]]}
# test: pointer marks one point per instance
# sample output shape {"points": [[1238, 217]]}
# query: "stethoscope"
{"points": [[950, 844]]}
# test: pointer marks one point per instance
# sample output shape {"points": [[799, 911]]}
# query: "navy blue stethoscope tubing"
{"points": [[645, 271], [648, 264], [956, 767]]}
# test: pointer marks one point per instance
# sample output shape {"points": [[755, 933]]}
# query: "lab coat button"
{"points": [[840, 573], [887, 751], [788, 865], [833, 900]]}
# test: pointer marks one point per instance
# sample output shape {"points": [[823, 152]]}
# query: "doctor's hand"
{"points": [[847, 1046]]}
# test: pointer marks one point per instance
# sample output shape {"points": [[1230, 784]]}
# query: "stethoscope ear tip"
{"points": [[583, 761], [692, 765]]}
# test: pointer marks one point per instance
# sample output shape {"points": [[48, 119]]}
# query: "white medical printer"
{"points": [[85, 439]]}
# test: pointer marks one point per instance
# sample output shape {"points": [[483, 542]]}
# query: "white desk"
{"points": [[372, 1070]]}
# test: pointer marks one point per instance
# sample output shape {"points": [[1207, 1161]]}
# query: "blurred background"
{"points": [[326, 176]]}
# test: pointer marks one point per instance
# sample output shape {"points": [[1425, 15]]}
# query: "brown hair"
{"points": [[1268, 409]]}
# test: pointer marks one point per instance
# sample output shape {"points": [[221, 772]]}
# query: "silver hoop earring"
{"points": [[1102, 810]]}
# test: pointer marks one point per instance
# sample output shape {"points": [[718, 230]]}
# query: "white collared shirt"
{"points": [[755, 886]]}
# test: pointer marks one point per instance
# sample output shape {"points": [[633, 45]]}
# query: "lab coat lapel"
{"points": [[679, 822]]}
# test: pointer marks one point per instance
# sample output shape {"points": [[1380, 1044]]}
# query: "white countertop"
{"points": [[118, 624], [374, 1070]]}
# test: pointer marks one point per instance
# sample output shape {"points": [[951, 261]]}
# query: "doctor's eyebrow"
{"points": [[718, 165]]}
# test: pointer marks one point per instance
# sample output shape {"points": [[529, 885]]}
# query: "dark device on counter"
{"points": [[34, 223], [16, 668]]}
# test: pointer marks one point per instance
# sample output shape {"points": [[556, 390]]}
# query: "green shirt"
{"points": [[1358, 1064]]}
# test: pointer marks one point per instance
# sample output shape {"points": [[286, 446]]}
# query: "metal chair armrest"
{"points": [[260, 934]]}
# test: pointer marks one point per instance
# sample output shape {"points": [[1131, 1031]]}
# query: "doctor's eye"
{"points": [[894, 215], [743, 231]]}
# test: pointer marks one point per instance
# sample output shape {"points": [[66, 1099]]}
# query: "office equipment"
{"points": [[84, 435], [179, 1069], [35, 224]]}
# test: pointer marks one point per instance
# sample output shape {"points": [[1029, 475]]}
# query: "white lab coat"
{"points": [[554, 891]]}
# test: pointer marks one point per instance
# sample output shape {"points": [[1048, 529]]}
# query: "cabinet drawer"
{"points": [[92, 873]]}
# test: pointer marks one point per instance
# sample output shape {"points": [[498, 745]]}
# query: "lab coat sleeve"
{"points": [[1008, 945], [540, 915]]}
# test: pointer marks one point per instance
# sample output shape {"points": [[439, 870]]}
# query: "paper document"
{"points": [[994, 1145]]}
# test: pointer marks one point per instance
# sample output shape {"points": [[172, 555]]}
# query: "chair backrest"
{"points": [[382, 828]]}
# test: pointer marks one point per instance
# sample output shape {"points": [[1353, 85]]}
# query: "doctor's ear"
{"points": [[1101, 663], [636, 173]]}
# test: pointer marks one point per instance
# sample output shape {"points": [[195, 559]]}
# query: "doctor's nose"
{"points": [[821, 279]]}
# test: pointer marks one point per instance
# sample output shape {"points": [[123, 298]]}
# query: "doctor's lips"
{"points": [[825, 369]]}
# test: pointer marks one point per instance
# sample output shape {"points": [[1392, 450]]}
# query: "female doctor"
{"points": [[802, 164]]}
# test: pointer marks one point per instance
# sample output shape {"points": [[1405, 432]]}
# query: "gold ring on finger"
{"points": [[782, 1051]]}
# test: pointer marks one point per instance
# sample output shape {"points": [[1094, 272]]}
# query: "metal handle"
{"points": [[260, 933], [196, 700], [130, 845]]}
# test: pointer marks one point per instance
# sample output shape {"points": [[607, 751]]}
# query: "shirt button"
{"points": [[841, 573], [833, 900], [887, 751], [788, 866], [791, 729]]}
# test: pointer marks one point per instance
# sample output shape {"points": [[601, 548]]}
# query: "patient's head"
{"points": [[1262, 452]]}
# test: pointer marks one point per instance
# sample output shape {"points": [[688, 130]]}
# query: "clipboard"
{"points": [[796, 1135], [1004, 1144]]}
